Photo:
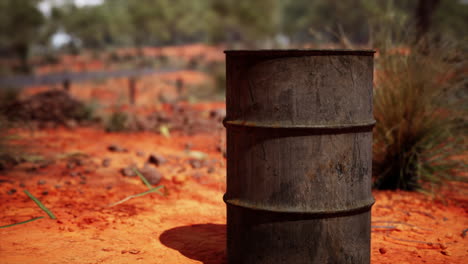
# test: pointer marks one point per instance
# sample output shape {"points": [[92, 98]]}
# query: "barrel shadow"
{"points": [[202, 242]]}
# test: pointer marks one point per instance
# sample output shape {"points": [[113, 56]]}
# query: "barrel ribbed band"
{"points": [[357, 207], [356, 126]]}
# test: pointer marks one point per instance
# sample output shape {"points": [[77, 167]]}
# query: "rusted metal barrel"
{"points": [[299, 137]]}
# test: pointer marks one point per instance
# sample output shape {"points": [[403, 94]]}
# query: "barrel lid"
{"points": [[299, 52]]}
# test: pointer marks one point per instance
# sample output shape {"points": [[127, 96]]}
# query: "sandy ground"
{"points": [[187, 223]]}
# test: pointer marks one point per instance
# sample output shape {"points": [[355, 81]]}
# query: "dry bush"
{"points": [[420, 108]]}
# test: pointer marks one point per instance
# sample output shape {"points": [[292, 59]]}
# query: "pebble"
{"points": [[151, 174], [11, 191], [128, 172], [445, 252], [382, 251], [140, 153], [106, 162], [156, 159], [71, 165], [116, 148], [41, 182], [195, 163]]}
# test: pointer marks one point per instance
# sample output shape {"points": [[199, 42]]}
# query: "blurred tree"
{"points": [[424, 11], [451, 17], [21, 26], [167, 21], [97, 26], [244, 21]]}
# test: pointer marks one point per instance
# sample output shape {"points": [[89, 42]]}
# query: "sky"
{"points": [[46, 5]]}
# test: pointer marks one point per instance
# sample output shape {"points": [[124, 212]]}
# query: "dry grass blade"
{"points": [[155, 189], [42, 206], [24, 222], [145, 181]]}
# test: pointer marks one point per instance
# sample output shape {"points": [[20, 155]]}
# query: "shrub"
{"points": [[417, 105], [117, 122]]}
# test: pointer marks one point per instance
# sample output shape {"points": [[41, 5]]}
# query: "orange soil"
{"points": [[87, 61], [187, 225]]}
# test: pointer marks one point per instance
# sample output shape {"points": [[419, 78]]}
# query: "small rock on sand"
{"points": [[128, 171], [151, 174], [41, 182], [116, 148], [106, 162], [156, 159]]}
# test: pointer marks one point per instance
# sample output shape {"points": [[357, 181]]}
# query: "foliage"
{"points": [[21, 26], [117, 122], [417, 105]]}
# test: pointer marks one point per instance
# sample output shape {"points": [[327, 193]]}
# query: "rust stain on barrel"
{"points": [[299, 136]]}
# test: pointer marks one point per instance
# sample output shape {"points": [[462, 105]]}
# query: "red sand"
{"points": [[188, 224]]}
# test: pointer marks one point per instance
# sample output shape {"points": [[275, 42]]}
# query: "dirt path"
{"points": [[187, 224]]}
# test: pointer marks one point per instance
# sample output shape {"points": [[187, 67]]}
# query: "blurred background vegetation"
{"points": [[30, 27], [420, 77]]}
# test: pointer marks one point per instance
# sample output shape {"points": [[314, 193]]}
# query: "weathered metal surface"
{"points": [[299, 136]]}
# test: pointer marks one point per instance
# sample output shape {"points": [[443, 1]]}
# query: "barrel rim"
{"points": [[299, 52]]}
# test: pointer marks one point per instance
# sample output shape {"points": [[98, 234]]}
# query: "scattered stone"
{"points": [[68, 182], [443, 246], [210, 170], [195, 163], [108, 187], [45, 193], [179, 178], [151, 174], [83, 182], [445, 252], [156, 159], [116, 148], [140, 153], [11, 191], [128, 171], [22, 185], [41, 182], [134, 251], [74, 174], [71, 165], [382, 251], [106, 162], [58, 186]]}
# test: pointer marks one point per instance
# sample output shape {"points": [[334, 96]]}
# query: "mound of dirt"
{"points": [[55, 107]]}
